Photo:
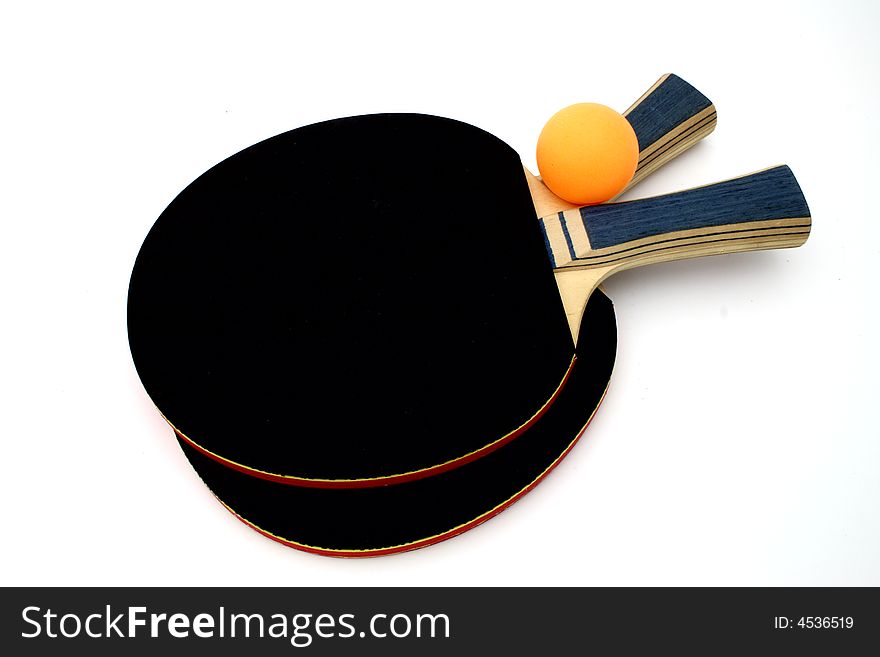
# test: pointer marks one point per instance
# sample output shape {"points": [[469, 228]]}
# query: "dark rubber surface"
{"points": [[353, 299]]}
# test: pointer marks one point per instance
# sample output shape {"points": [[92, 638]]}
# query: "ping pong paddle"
{"points": [[382, 520], [365, 301], [762, 210]]}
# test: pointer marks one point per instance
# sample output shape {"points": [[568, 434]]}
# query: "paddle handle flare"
{"points": [[668, 119], [764, 210]]}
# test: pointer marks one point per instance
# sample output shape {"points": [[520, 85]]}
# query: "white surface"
{"points": [[738, 443]]}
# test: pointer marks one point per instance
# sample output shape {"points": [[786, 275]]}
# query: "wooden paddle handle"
{"points": [[763, 210], [669, 118]]}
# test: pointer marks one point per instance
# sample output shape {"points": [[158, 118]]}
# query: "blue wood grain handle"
{"points": [[759, 211], [668, 119]]}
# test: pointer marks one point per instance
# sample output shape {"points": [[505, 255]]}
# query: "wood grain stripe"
{"points": [[706, 118], [665, 111], [555, 240], [675, 149], [577, 232], [794, 225], [747, 240]]}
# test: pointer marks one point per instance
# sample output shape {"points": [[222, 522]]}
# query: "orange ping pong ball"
{"points": [[587, 153]]}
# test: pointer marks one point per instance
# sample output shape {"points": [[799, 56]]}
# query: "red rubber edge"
{"points": [[393, 479], [428, 541]]}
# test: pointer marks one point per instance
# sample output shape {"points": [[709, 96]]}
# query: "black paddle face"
{"points": [[355, 299], [388, 519]]}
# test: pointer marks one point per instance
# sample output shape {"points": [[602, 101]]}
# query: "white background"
{"points": [[738, 443]]}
